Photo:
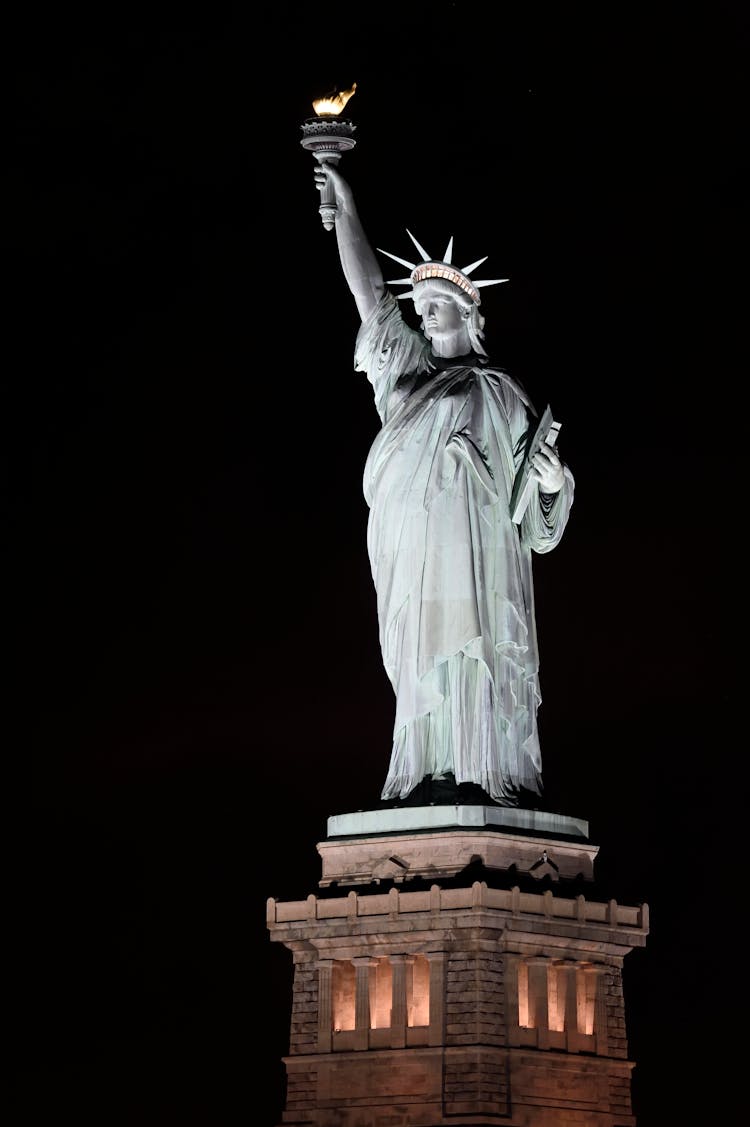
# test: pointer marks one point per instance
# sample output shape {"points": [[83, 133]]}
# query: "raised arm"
{"points": [[361, 270]]}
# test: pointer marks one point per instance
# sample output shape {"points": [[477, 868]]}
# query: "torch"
{"points": [[327, 136]]}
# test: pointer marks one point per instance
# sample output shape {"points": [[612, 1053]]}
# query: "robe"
{"points": [[452, 572]]}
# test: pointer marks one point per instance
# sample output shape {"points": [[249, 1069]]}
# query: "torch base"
{"points": [[331, 134]]}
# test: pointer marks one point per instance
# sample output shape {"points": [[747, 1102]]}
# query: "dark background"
{"points": [[195, 679]]}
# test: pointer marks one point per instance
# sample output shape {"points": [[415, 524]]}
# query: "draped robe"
{"points": [[452, 572]]}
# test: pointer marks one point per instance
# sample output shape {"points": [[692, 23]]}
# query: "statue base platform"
{"points": [[428, 843]]}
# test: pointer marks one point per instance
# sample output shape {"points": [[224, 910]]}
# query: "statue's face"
{"points": [[442, 316]]}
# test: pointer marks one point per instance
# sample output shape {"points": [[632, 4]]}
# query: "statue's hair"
{"points": [[475, 320]]}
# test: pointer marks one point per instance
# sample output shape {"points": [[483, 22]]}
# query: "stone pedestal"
{"points": [[423, 997]]}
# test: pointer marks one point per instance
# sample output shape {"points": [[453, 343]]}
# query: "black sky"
{"points": [[196, 684]]}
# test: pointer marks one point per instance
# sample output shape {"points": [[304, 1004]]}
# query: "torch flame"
{"points": [[333, 103]]}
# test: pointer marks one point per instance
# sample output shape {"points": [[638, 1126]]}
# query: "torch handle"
{"points": [[328, 209], [327, 138]]}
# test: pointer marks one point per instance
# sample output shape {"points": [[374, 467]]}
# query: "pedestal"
{"points": [[424, 997]]}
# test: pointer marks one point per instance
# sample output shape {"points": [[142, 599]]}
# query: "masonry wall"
{"points": [[476, 1078]]}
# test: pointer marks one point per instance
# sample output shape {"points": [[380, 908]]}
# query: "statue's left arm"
{"points": [[547, 513], [549, 508]]}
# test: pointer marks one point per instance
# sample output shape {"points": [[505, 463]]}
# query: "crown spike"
{"points": [[422, 251], [395, 258], [448, 256], [490, 282], [479, 261]]}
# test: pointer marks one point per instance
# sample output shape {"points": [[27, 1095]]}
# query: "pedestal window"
{"points": [[377, 1002], [557, 1005]]}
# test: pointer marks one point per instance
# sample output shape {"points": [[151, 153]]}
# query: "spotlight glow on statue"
{"points": [[452, 569], [327, 136]]}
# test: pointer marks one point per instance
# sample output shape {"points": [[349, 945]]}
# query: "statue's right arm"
{"points": [[361, 270]]}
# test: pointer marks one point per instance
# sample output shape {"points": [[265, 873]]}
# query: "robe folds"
{"points": [[452, 572]]}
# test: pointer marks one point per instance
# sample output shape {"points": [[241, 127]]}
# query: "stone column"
{"points": [[325, 1016], [398, 1001], [600, 1009], [538, 1008], [512, 971], [362, 1002], [436, 959], [572, 1032]]}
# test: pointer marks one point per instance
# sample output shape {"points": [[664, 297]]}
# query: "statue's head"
{"points": [[446, 308], [448, 280]]}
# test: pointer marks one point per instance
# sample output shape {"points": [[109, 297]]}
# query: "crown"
{"points": [[435, 268]]}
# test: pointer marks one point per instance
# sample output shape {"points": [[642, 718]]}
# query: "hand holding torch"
{"points": [[327, 136]]}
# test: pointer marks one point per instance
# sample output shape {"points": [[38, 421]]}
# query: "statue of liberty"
{"points": [[452, 570]]}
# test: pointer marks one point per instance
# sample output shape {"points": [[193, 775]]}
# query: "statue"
{"points": [[452, 571]]}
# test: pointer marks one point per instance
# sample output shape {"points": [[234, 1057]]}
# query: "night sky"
{"points": [[196, 682]]}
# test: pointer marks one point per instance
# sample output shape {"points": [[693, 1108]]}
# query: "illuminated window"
{"points": [[524, 1016], [555, 982], [380, 980]]}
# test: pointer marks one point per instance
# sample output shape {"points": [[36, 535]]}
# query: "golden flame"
{"points": [[333, 103]]}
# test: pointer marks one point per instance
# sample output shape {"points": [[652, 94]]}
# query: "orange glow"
{"points": [[524, 1017], [333, 104]]}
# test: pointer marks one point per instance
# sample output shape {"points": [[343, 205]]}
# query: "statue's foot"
{"points": [[445, 791]]}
